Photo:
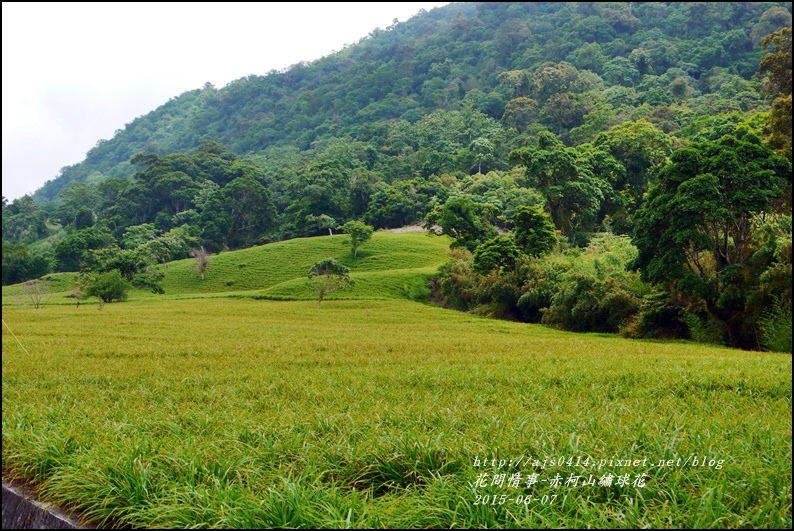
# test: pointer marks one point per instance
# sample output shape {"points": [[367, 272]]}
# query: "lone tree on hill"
{"points": [[36, 292], [202, 259], [326, 276], [359, 233]]}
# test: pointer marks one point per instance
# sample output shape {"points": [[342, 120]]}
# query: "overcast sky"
{"points": [[74, 73]]}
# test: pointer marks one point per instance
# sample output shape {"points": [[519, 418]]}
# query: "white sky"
{"points": [[74, 73]]}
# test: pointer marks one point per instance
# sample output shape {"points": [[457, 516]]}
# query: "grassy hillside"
{"points": [[267, 266], [389, 266], [250, 413]]}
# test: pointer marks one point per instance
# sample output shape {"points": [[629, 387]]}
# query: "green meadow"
{"points": [[224, 403], [390, 266]]}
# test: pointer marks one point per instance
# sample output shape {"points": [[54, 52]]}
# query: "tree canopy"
{"points": [[327, 276], [698, 227]]}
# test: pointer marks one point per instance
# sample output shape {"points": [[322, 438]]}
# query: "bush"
{"points": [[109, 287], [457, 282], [661, 317], [495, 254], [706, 329], [774, 328], [588, 304]]}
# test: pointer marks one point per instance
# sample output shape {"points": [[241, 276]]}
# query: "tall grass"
{"points": [[243, 413]]}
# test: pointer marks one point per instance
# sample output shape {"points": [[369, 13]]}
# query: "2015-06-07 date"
{"points": [[501, 499]]}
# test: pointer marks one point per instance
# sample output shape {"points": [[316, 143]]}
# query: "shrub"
{"points": [[497, 253], [774, 328], [588, 304], [706, 329], [109, 287]]}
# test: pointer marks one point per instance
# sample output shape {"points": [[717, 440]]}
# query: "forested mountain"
{"points": [[570, 126], [649, 54]]}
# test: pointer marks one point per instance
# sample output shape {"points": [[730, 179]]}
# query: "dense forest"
{"points": [[610, 167]]}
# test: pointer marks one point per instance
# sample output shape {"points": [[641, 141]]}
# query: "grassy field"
{"points": [[240, 413], [237, 412], [389, 266]]}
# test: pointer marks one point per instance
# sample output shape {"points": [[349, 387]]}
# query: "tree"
{"points": [[553, 78], [459, 219], [69, 252], [695, 230], [642, 149], [483, 150], [497, 253], [326, 276], [778, 67], [202, 259], [573, 193], [19, 264], [250, 209], [135, 265], [36, 292], [139, 235], [359, 233], [621, 71], [24, 221], [517, 81], [314, 224], [772, 20], [533, 231], [109, 286], [84, 218]]}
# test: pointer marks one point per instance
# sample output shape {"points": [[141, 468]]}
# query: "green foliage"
{"points": [[573, 192], [70, 251], [697, 226], [401, 203], [19, 264], [778, 67], [359, 233], [596, 293], [459, 218], [777, 64], [586, 303], [498, 253], [642, 149], [428, 64], [108, 286], [23, 220], [137, 265], [84, 218], [533, 231], [706, 329], [401, 127], [579, 291], [139, 235], [661, 316], [327, 276], [520, 113], [774, 328]]}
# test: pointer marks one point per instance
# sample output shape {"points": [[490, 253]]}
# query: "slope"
{"points": [[389, 266]]}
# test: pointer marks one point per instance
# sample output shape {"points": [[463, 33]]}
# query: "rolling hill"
{"points": [[389, 266]]}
